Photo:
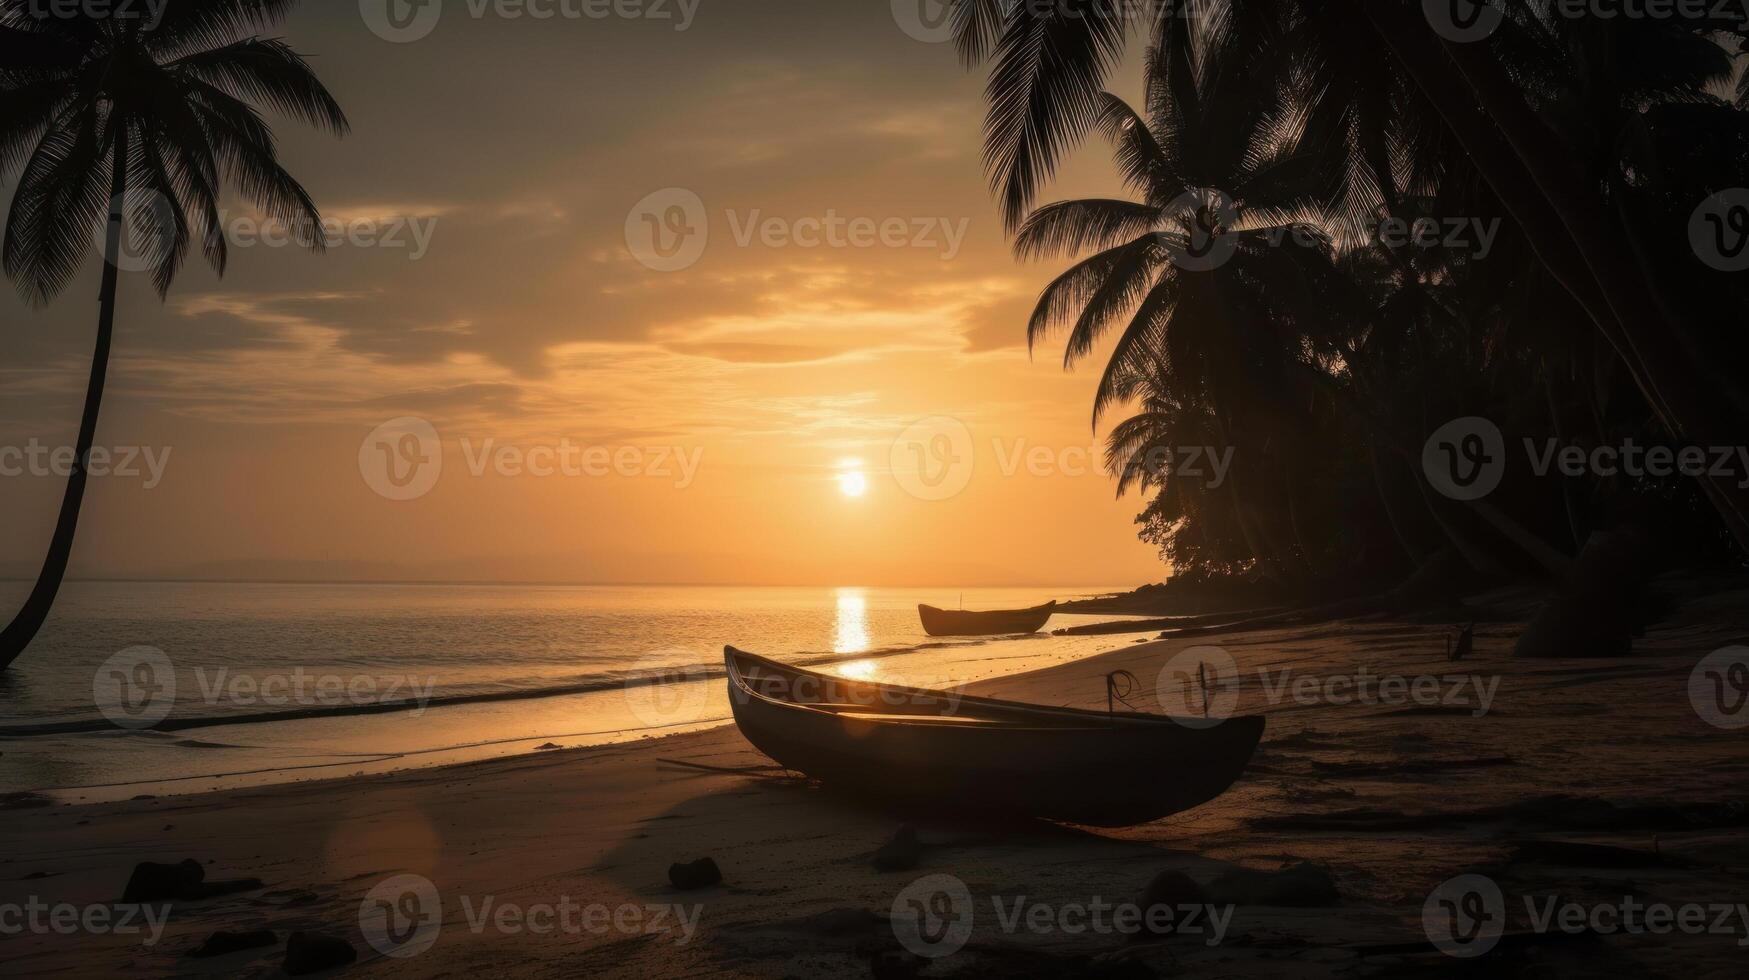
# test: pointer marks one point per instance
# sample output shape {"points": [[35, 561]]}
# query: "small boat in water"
{"points": [[966, 622], [949, 751]]}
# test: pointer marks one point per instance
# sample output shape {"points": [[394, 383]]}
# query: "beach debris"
{"points": [[23, 801], [701, 873], [1578, 854], [223, 943], [548, 747], [1459, 643], [184, 880], [895, 964], [308, 952], [901, 853], [1173, 889], [1303, 885], [839, 922]]}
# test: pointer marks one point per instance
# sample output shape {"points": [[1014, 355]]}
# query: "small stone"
{"points": [[222, 943], [308, 952], [156, 882], [701, 873], [901, 853], [1176, 891]]}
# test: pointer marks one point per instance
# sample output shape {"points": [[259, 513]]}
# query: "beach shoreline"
{"points": [[1388, 798]]}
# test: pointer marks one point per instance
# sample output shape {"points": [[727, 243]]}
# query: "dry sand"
{"points": [[1391, 799]]}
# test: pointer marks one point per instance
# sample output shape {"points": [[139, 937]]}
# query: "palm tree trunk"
{"points": [[1488, 117], [1415, 555], [35, 610]]}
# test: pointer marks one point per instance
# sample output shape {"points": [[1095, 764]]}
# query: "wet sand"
{"points": [[1389, 794]]}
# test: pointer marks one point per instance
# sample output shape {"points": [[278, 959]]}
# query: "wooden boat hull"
{"points": [[944, 751], [967, 622]]}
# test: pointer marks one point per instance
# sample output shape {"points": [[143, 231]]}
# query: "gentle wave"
{"points": [[606, 681]]}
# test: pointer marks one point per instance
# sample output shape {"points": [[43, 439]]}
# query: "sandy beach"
{"points": [[558, 860]]}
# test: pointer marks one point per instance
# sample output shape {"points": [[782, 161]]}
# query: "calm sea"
{"points": [[183, 687]]}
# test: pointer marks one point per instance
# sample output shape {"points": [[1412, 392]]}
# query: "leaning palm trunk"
{"points": [[35, 611]]}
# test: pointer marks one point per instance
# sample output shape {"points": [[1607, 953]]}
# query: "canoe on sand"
{"points": [[945, 751], [966, 622]]}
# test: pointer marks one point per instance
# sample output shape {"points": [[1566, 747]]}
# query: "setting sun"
{"points": [[852, 483]]}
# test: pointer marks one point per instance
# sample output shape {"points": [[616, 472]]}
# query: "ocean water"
{"points": [[182, 687]]}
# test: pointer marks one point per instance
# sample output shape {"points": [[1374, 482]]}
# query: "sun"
{"points": [[852, 481]]}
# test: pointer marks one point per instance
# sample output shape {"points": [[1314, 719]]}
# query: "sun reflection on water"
{"points": [[850, 633]]}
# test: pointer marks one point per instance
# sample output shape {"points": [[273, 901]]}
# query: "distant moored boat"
{"points": [[966, 622]]}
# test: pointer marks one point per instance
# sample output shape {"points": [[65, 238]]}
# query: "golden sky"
{"points": [[813, 170]]}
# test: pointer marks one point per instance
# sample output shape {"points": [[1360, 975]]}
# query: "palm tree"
{"points": [[138, 125], [1341, 65], [1213, 294]]}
